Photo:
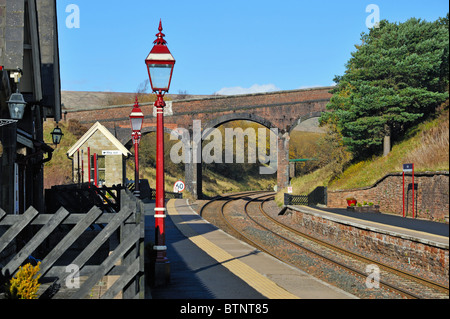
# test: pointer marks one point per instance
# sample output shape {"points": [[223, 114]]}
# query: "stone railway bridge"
{"points": [[283, 110]]}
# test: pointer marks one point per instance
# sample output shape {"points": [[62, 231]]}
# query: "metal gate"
{"points": [[317, 196]]}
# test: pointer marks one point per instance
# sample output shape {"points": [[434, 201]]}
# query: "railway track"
{"points": [[249, 222]]}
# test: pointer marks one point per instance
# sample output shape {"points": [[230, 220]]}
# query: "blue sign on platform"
{"points": [[407, 167]]}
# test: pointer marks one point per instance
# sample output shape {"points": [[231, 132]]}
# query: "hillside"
{"points": [[59, 170], [426, 145]]}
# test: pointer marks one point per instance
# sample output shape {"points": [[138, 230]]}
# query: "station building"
{"points": [[100, 156]]}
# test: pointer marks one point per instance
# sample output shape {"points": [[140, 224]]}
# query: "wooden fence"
{"points": [[60, 267], [79, 198]]}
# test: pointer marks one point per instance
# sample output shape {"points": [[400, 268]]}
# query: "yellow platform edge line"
{"points": [[257, 281]]}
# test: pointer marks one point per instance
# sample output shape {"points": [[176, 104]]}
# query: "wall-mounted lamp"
{"points": [[16, 105], [57, 134], [16, 102]]}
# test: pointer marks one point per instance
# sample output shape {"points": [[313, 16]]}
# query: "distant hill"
{"points": [[82, 100], [310, 125]]}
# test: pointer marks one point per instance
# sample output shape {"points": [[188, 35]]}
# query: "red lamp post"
{"points": [[136, 120], [160, 63]]}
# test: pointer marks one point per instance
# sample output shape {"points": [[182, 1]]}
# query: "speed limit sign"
{"points": [[179, 186]]}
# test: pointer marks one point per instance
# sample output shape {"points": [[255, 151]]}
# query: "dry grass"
{"points": [[427, 147], [433, 152], [59, 170]]}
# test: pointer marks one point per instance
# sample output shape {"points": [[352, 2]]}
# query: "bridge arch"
{"points": [[175, 134], [281, 150], [303, 118], [216, 122], [152, 129]]}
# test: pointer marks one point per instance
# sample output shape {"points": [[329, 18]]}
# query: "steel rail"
{"points": [[339, 264], [239, 196], [226, 197], [256, 245]]}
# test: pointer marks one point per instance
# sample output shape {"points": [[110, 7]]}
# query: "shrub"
{"points": [[25, 284], [76, 128]]}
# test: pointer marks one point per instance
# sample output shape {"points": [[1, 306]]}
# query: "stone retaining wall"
{"points": [[431, 195], [416, 256]]}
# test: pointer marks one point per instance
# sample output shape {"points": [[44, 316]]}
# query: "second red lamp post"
{"points": [[136, 121]]}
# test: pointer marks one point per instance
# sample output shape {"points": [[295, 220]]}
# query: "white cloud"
{"points": [[255, 88], [304, 87]]}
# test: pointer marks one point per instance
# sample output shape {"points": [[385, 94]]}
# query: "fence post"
{"points": [[141, 276], [287, 199], [129, 290], [136, 286]]}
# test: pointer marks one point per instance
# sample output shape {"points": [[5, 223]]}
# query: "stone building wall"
{"points": [[113, 163], [11, 33]]}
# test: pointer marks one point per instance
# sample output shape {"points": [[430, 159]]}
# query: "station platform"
{"points": [[428, 232], [207, 263]]}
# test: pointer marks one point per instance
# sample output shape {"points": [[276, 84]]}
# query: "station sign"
{"points": [[407, 167], [113, 152]]}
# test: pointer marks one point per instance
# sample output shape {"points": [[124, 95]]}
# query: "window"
{"points": [[101, 170]]}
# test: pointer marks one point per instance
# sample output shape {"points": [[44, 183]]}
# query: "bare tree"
{"points": [[143, 87], [182, 95]]}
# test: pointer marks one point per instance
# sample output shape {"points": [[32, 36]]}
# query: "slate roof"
{"points": [[98, 127]]}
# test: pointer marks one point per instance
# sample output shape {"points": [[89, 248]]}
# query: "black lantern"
{"points": [[16, 105], [57, 134]]}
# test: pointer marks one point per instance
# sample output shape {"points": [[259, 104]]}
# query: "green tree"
{"points": [[395, 78]]}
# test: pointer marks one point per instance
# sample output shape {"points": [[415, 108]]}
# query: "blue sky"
{"points": [[229, 47]]}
